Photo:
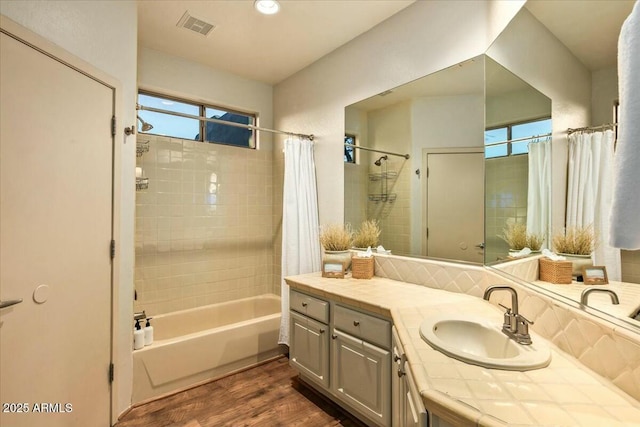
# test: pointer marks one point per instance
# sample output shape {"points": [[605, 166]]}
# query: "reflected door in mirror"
{"points": [[455, 206]]}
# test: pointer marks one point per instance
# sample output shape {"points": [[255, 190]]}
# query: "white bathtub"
{"points": [[197, 345]]}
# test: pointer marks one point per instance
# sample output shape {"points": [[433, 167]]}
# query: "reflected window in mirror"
{"points": [[514, 138], [349, 151]]}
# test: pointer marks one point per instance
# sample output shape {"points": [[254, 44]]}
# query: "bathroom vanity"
{"points": [[344, 351], [358, 342]]}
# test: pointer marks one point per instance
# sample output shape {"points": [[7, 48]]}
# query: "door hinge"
{"points": [[427, 172], [111, 372], [113, 126], [427, 232], [113, 249]]}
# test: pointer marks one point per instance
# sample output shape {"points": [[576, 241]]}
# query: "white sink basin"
{"points": [[480, 341]]}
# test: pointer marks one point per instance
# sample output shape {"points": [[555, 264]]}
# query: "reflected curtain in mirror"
{"points": [[590, 192], [539, 191]]}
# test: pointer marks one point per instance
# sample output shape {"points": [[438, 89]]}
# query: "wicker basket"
{"points": [[362, 268], [558, 272]]}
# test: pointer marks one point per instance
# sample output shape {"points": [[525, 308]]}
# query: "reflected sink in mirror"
{"points": [[479, 341]]}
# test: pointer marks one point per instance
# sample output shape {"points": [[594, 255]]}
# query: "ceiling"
{"points": [[255, 46], [272, 48]]}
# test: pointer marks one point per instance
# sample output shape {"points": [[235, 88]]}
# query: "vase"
{"points": [[577, 262], [340, 256]]}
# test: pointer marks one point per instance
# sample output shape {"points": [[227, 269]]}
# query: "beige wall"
{"points": [[74, 25], [397, 51]]}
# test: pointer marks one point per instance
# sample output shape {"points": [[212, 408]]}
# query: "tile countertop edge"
{"points": [[416, 298]]}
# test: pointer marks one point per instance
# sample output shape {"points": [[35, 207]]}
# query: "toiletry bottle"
{"points": [[138, 336], [148, 332]]}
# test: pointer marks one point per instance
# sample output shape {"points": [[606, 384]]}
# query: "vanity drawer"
{"points": [[309, 306], [364, 326]]}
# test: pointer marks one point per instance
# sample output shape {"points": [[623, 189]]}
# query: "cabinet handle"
{"points": [[400, 373], [396, 358], [356, 323], [321, 331], [334, 336], [304, 304]]}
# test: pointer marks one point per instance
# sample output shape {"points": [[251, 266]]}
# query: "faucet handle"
{"points": [[506, 308], [524, 320]]}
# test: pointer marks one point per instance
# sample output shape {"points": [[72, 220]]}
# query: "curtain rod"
{"points": [[222, 122], [546, 135], [591, 128], [406, 156]]}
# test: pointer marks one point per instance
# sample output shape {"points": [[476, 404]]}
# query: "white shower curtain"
{"points": [[300, 240], [539, 190], [590, 192]]}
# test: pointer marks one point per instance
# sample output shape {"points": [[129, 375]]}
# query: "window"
{"points": [[514, 139], [167, 124], [349, 152]]}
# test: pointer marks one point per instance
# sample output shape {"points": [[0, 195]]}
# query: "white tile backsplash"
{"points": [[204, 227]]}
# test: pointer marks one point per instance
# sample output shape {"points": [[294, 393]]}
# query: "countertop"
{"points": [[564, 393]]}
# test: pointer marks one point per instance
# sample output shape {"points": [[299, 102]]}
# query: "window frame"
{"points": [[355, 143], [202, 124], [509, 126]]}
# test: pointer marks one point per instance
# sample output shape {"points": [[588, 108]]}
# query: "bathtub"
{"points": [[197, 345]]}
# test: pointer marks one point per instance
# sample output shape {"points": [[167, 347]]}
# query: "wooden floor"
{"points": [[268, 395]]}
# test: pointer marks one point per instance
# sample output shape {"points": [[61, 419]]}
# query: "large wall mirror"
{"points": [[432, 203], [467, 130], [453, 196]]}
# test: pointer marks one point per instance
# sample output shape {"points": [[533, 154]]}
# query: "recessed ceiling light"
{"points": [[267, 7]]}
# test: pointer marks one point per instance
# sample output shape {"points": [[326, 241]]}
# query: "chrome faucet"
{"points": [[584, 296], [515, 325]]}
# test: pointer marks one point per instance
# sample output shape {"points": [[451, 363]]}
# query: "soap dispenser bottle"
{"points": [[148, 332], [138, 336]]}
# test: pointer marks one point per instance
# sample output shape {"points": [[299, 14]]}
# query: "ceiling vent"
{"points": [[194, 24]]}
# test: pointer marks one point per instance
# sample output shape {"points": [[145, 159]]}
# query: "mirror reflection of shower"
{"points": [[379, 161], [383, 175], [146, 127]]}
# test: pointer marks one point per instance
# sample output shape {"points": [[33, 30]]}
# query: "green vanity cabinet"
{"points": [[309, 337], [351, 364], [361, 363], [408, 408]]}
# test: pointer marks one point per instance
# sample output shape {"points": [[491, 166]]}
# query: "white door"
{"points": [[55, 232], [455, 206]]}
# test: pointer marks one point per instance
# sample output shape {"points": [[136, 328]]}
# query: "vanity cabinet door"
{"points": [[309, 348], [408, 408], [360, 376], [414, 414]]}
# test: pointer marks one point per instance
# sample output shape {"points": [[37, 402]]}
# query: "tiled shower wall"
{"points": [[506, 180], [204, 230], [393, 215]]}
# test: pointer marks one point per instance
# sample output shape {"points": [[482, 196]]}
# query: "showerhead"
{"points": [[379, 161], [146, 127]]}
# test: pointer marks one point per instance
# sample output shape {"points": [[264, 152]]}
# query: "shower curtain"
{"points": [[539, 190], [300, 240], [590, 192]]}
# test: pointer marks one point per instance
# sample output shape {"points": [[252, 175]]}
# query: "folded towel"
{"points": [[552, 255], [625, 210]]}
